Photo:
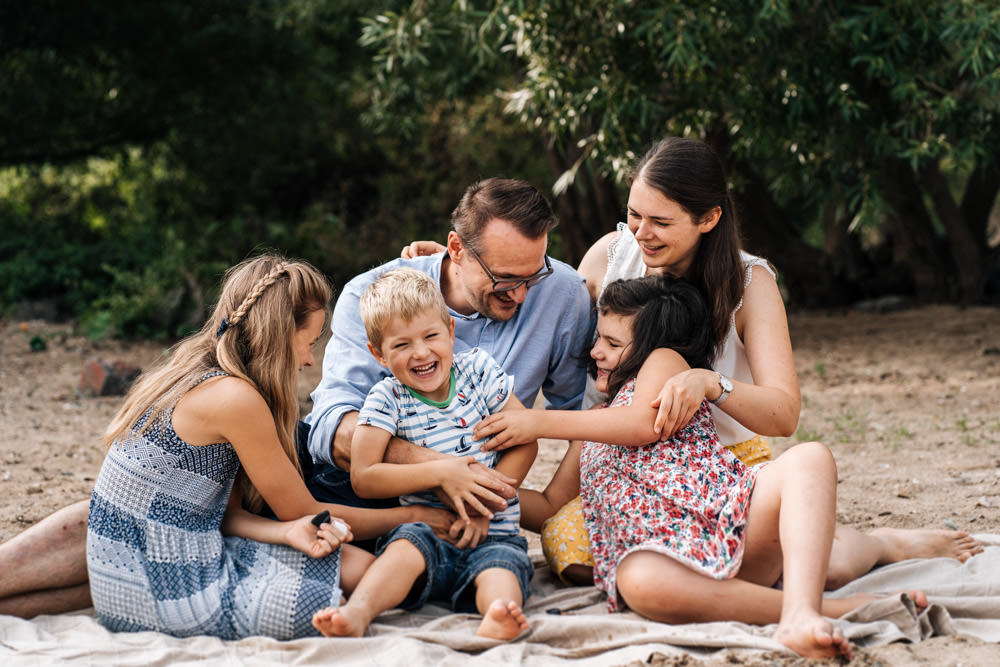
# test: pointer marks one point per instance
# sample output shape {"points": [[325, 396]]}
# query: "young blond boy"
{"points": [[434, 398]]}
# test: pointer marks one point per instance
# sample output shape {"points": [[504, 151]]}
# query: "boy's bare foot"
{"points": [[837, 607], [901, 544], [919, 599], [812, 636], [339, 622], [503, 620]]}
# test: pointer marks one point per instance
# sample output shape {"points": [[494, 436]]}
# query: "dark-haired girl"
{"points": [[681, 530]]}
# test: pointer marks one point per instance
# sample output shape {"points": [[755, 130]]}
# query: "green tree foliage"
{"points": [[150, 145], [834, 118]]}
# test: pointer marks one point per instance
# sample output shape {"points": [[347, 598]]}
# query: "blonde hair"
{"points": [[403, 293], [264, 301]]}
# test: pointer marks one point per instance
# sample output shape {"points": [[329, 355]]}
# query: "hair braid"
{"points": [[255, 293]]}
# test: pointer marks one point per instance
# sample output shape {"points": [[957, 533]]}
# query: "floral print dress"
{"points": [[686, 497]]}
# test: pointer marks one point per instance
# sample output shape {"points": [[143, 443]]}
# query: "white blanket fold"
{"points": [[566, 624]]}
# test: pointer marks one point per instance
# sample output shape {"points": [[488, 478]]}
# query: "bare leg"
{"points": [[662, 589], [43, 570], [498, 599], [50, 601], [354, 562], [789, 532], [855, 553], [386, 583]]}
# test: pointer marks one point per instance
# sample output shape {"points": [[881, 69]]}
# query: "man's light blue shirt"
{"points": [[541, 347]]}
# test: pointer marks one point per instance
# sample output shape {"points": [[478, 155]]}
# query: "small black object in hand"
{"points": [[321, 518]]}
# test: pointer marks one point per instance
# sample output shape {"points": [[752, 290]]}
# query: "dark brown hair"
{"points": [[688, 172], [668, 312], [517, 202]]}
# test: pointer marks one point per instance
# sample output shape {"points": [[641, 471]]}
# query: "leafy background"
{"points": [[147, 146]]}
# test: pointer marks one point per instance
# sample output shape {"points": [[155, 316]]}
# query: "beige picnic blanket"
{"points": [[567, 624]]}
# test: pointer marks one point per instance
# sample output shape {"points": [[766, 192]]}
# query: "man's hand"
{"points": [[439, 520]]}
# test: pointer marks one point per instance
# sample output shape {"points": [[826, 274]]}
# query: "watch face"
{"points": [[727, 385]]}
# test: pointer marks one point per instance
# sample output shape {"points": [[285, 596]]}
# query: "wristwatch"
{"points": [[727, 386]]}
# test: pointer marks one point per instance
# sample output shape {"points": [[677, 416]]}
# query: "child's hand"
{"points": [[464, 483], [679, 399], [469, 535], [507, 428], [317, 542]]}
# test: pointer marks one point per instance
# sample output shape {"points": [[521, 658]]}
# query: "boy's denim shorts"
{"points": [[451, 572]]}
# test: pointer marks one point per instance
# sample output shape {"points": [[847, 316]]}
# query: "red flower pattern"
{"points": [[686, 497]]}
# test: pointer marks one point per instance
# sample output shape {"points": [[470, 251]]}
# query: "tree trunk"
{"points": [[980, 195], [966, 252], [766, 231], [915, 244], [587, 210]]}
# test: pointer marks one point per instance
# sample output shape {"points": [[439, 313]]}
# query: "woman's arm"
{"points": [[768, 406], [631, 425], [771, 405]]}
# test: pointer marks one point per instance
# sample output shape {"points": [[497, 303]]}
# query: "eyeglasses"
{"points": [[501, 285]]}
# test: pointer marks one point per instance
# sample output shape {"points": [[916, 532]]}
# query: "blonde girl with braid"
{"points": [[171, 545]]}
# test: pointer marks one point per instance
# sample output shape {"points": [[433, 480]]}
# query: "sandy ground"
{"points": [[908, 401]]}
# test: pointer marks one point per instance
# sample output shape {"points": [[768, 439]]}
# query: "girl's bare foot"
{"points": [[339, 622], [812, 636], [503, 620], [900, 544]]}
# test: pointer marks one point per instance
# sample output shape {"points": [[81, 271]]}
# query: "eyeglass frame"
{"points": [[528, 282]]}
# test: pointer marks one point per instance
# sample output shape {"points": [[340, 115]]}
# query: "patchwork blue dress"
{"points": [[158, 561]]}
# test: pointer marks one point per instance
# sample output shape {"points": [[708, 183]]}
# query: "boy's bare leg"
{"points": [[43, 570], [498, 599], [854, 553], [383, 586]]}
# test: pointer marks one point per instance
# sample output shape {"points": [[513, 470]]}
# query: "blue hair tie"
{"points": [[222, 328]]}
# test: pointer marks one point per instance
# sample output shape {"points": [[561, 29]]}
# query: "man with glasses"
{"points": [[531, 313]]}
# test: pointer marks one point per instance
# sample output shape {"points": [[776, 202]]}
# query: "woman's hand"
{"points": [[421, 248], [679, 399], [317, 541], [464, 483], [507, 428], [469, 535]]}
